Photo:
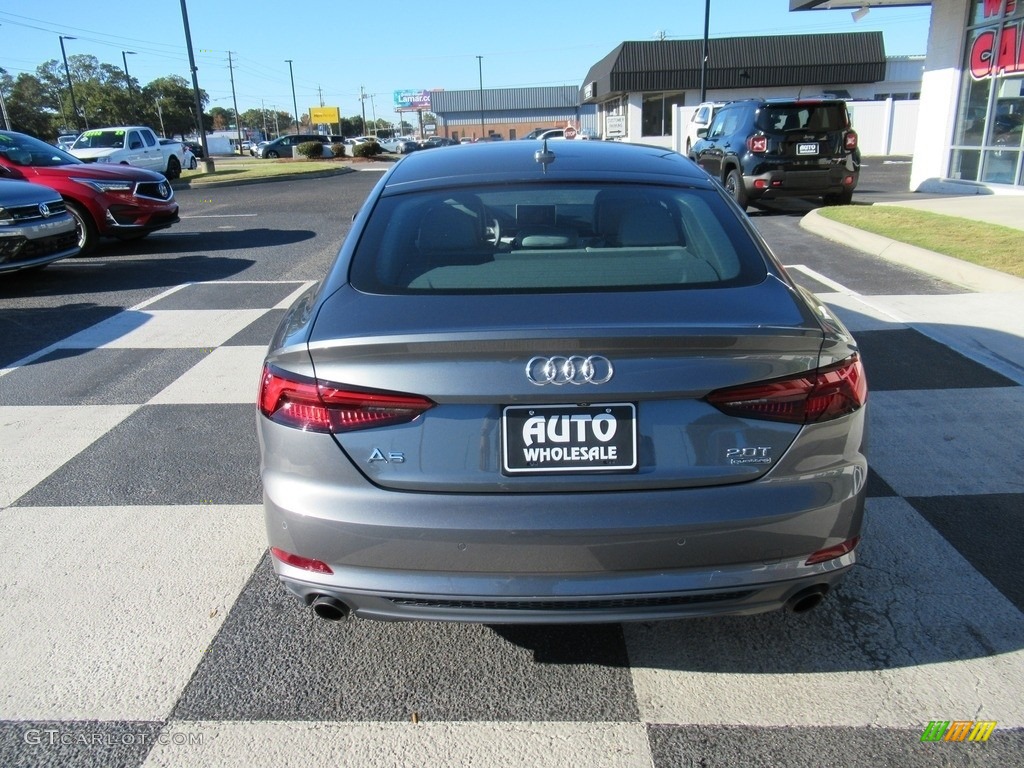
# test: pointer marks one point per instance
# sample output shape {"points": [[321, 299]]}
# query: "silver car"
{"points": [[35, 226], [560, 382]]}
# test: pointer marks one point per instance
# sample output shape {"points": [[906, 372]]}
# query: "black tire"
{"points": [[734, 186], [88, 235], [842, 198], [173, 168], [193, 164], [272, 155]]}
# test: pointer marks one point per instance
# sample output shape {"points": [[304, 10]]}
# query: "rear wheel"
{"points": [[734, 186], [86, 229], [173, 168]]}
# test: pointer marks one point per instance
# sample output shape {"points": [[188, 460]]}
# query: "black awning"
{"points": [[738, 62]]}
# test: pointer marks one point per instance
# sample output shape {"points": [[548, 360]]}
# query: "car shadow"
{"points": [[172, 240]]}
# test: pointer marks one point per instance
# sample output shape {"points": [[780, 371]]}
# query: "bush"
{"points": [[367, 149], [311, 149], [338, 150]]}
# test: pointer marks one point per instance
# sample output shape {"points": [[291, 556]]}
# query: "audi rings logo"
{"points": [[569, 370]]}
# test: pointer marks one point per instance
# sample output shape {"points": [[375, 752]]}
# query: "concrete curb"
{"points": [[962, 273]]}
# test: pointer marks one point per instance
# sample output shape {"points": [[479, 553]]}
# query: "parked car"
{"points": [[400, 145], [699, 121], [35, 227], [560, 133], [437, 141], [282, 146], [117, 201], [129, 145], [537, 132], [188, 160], [64, 141], [570, 385], [195, 148], [772, 148]]}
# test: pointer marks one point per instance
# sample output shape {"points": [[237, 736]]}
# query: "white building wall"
{"points": [[940, 89]]}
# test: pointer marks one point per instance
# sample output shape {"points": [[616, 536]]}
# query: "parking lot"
{"points": [[144, 626]]}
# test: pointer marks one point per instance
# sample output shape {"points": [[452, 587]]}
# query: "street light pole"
{"points": [[704, 58], [295, 104], [127, 77], [67, 72], [207, 160], [480, 67]]}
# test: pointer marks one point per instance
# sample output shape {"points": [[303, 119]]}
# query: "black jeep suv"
{"points": [[764, 149]]}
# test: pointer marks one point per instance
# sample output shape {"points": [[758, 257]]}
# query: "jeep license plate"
{"points": [[810, 148]]}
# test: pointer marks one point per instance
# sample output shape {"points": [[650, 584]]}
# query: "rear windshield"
{"points": [[554, 238], [803, 117]]}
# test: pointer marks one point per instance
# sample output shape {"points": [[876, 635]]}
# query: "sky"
{"points": [[375, 49]]}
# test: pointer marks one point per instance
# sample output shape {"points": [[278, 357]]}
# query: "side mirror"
{"points": [[702, 132]]}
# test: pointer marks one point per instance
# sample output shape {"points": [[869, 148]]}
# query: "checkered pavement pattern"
{"points": [[142, 624]]}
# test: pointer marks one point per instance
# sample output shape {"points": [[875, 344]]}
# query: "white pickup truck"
{"points": [[129, 145]]}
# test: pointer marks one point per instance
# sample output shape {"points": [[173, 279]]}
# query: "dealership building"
{"points": [[972, 94]]}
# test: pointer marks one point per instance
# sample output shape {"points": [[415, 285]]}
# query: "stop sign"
{"points": [[569, 133]]}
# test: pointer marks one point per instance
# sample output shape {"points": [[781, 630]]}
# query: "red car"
{"points": [[106, 200]]}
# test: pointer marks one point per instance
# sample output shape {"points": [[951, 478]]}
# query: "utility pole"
{"points": [[207, 160], [234, 102], [480, 66], [704, 58], [67, 72], [295, 104], [362, 103], [263, 111], [319, 90]]}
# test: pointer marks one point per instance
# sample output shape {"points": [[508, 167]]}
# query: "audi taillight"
{"points": [[820, 395], [316, 406], [757, 143], [850, 140]]}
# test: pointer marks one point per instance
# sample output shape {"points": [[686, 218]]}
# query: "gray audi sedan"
{"points": [[559, 382]]}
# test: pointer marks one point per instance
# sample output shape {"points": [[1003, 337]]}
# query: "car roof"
{"points": [[511, 161]]}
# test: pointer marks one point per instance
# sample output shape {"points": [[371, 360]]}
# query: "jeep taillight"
{"points": [[850, 140], [758, 143]]}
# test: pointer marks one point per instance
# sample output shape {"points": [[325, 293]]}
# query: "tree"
{"points": [[170, 104], [28, 106], [223, 118]]}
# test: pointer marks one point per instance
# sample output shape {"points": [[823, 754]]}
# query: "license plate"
{"points": [[807, 149], [568, 438]]}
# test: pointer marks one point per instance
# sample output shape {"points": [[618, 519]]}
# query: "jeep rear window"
{"points": [[803, 117], [546, 238]]}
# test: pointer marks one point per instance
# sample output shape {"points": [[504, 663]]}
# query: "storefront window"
{"points": [[990, 114], [656, 118]]}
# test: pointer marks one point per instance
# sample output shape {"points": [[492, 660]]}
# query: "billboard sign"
{"points": [[324, 115], [412, 101]]}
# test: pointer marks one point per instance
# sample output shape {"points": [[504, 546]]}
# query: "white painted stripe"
{"points": [[108, 610], [818, 277], [38, 440], [164, 329], [221, 216], [226, 375], [913, 634], [435, 744]]}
